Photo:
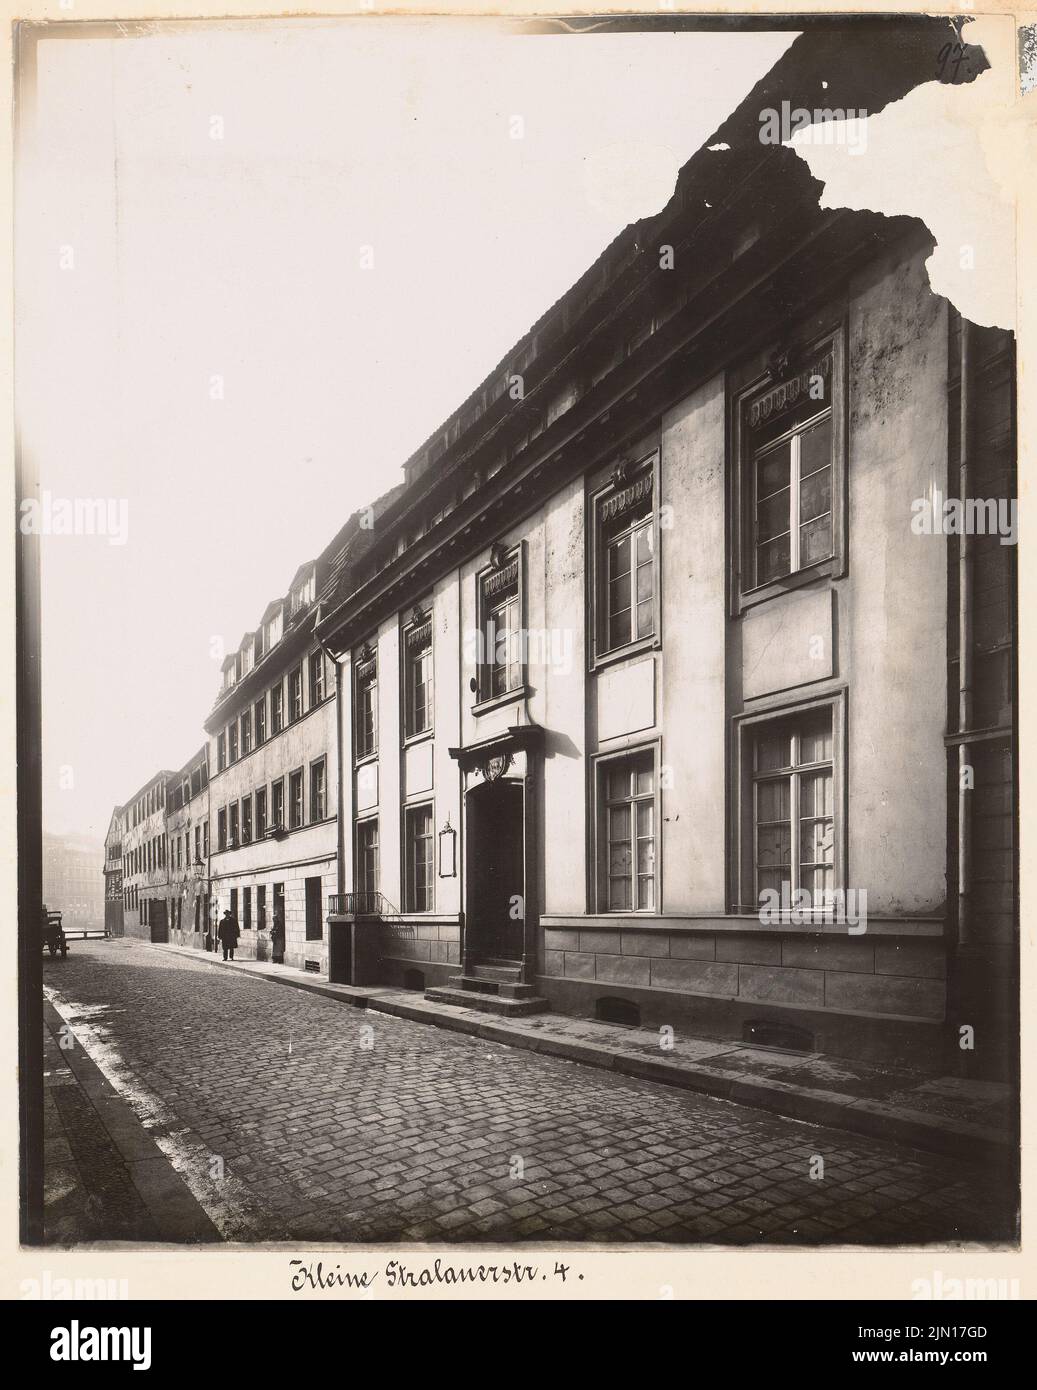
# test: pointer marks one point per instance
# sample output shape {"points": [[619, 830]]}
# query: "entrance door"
{"points": [[159, 921], [314, 922], [494, 877]]}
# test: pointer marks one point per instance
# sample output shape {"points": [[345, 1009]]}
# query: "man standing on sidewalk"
{"points": [[228, 934]]}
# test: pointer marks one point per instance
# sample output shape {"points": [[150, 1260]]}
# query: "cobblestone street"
{"points": [[293, 1116]]}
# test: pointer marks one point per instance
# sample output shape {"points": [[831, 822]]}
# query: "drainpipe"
{"points": [[965, 641]]}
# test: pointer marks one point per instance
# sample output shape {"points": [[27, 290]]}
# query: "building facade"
{"points": [[273, 791], [70, 881], [636, 684], [145, 876], [187, 851], [114, 922]]}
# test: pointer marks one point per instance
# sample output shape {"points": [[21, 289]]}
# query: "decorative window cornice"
{"points": [[777, 399]]}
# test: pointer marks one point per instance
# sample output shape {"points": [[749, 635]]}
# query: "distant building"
{"points": [[71, 883], [187, 850], [145, 876], [114, 918]]}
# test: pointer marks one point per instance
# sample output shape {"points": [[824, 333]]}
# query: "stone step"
{"points": [[486, 1003], [484, 971]]}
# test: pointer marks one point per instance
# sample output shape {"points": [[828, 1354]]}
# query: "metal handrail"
{"points": [[362, 904]]}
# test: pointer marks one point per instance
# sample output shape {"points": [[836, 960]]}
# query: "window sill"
{"points": [[617, 654], [831, 568], [425, 736], [367, 759], [521, 692]]}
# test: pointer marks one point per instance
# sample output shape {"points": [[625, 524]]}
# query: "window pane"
{"points": [[773, 750], [815, 495], [773, 470], [618, 782], [772, 560], [772, 800], [815, 794], [645, 780], [619, 823], [815, 744], [815, 541], [773, 516], [645, 545], [815, 448], [774, 846], [619, 558], [816, 842], [619, 894]]}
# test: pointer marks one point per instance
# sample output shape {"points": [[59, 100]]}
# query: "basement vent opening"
{"points": [[618, 1011], [413, 979], [768, 1033], [312, 967]]}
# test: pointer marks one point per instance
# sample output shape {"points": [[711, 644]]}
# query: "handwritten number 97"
{"points": [[953, 54]]}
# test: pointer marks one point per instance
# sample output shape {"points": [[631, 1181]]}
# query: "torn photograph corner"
{"points": [[517, 679]]}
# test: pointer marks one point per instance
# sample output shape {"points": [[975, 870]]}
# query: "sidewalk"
{"points": [[105, 1178], [946, 1114]]}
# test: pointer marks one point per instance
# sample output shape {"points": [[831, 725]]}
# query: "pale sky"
{"points": [[153, 257]]}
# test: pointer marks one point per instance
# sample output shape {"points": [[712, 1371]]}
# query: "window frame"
{"points": [[647, 463], [259, 720], [296, 673], [360, 665], [744, 592], [408, 660], [409, 811], [277, 785], [300, 773], [277, 706], [262, 800], [599, 767], [742, 889], [317, 677], [247, 815], [320, 763], [485, 699], [363, 824]]}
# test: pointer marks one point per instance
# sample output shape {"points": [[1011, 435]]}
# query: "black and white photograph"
{"points": [[517, 671]]}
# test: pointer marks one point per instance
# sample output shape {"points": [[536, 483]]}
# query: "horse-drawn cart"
{"points": [[54, 933]]}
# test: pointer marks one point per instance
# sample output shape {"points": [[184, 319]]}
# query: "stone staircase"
{"points": [[492, 986]]}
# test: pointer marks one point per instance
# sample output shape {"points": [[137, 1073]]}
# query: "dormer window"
{"points": [[273, 628], [303, 594]]}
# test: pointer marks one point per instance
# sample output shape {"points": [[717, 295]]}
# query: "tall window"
{"points": [[232, 741], [792, 480], [205, 839], [417, 836], [246, 820], [790, 483], [295, 694], [261, 819], [318, 790], [500, 623], [367, 856], [625, 561], [417, 676], [295, 799], [277, 803], [246, 732], [221, 751], [198, 843], [234, 818], [277, 707], [628, 833], [794, 805], [366, 705], [259, 716], [261, 907], [221, 830], [316, 678], [246, 909]]}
